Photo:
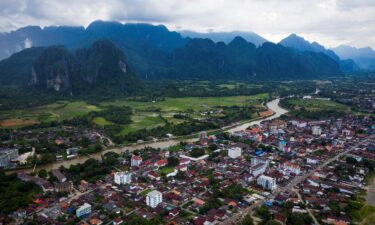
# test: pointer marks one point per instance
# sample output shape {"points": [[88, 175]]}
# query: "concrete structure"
{"points": [[60, 177], [64, 186], [6, 156], [136, 161], [154, 198], [234, 152], [258, 169], [83, 210], [268, 183], [123, 178], [292, 167], [316, 130], [203, 136]]}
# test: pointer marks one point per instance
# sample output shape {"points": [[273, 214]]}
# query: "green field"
{"points": [[145, 114], [316, 104]]}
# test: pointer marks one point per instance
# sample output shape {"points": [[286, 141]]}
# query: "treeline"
{"points": [[14, 193]]}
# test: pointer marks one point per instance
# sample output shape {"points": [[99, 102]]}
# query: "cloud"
{"points": [[330, 22]]}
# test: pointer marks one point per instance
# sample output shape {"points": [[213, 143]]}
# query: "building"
{"points": [[316, 130], [64, 186], [268, 183], [60, 177], [203, 136], [282, 145], [6, 157], [292, 168], [258, 169], [83, 210], [136, 161], [154, 198], [123, 178], [234, 152]]}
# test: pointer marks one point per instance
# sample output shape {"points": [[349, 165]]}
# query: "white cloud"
{"points": [[330, 22]]}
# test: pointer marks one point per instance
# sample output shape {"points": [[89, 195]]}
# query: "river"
{"points": [[272, 105]]}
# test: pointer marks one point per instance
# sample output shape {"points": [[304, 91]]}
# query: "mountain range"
{"points": [[226, 37], [363, 57], [294, 41], [75, 59]]}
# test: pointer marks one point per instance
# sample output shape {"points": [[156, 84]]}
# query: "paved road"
{"points": [[237, 217]]}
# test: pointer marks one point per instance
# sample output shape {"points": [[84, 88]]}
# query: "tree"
{"points": [[173, 161], [42, 173], [247, 220]]}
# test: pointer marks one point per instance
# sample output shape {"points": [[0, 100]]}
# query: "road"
{"points": [[272, 105], [298, 179]]}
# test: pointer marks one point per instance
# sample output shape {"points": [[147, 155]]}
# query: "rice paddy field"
{"points": [[145, 114]]}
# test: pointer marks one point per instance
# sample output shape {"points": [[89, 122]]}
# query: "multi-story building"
{"points": [[6, 156], [234, 152], [123, 178], [83, 210], [136, 161], [153, 198], [268, 183], [66, 186], [316, 130]]}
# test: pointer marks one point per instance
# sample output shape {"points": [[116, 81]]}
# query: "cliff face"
{"points": [[53, 69], [100, 67]]}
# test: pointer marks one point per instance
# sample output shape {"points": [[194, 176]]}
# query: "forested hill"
{"points": [[101, 68], [152, 53]]}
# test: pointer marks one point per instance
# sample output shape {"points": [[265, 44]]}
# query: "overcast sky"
{"points": [[330, 22]]}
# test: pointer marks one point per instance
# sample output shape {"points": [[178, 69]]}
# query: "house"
{"points": [[83, 210], [136, 160], [153, 198], [161, 163], [316, 130], [153, 175], [288, 166], [312, 160], [117, 221]]}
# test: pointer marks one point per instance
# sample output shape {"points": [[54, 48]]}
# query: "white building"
{"points": [[316, 130], [154, 198], [123, 178], [136, 161], [234, 152], [83, 210], [292, 167], [258, 169], [267, 182]]}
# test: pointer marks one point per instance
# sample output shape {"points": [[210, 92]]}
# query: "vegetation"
{"points": [[15, 194]]}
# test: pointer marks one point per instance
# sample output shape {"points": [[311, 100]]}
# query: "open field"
{"points": [[316, 104], [145, 114]]}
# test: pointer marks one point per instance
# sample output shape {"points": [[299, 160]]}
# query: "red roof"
{"points": [[136, 157]]}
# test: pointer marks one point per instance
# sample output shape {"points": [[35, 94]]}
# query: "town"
{"points": [[306, 171]]}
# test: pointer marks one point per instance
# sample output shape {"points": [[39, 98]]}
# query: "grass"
{"points": [[166, 170], [146, 115], [100, 121], [317, 104]]}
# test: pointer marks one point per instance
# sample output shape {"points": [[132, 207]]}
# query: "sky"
{"points": [[329, 22]]}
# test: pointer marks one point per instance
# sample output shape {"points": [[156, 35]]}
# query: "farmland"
{"points": [[145, 114]]}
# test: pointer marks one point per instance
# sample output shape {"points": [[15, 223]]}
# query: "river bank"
{"points": [[273, 105]]}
